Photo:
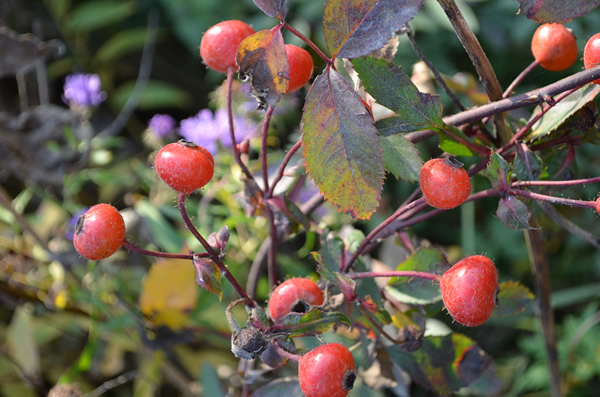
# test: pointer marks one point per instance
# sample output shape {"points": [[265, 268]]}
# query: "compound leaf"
{"points": [[341, 146], [354, 28]]}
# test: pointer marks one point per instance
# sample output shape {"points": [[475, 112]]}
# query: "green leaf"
{"points": [[392, 88], [558, 114], [499, 172], [156, 95], [122, 43], [513, 213], [556, 11], [288, 387], [313, 322], [443, 364], [210, 381], [161, 230], [341, 146], [20, 342], [450, 145], [98, 14], [402, 158], [513, 298], [419, 291], [354, 28]]}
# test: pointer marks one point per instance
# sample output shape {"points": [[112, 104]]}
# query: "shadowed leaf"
{"points": [[273, 8], [402, 158], [498, 172], [513, 298], [556, 11], [513, 213], [262, 58], [289, 387], [341, 146], [313, 322], [356, 28], [528, 165]]}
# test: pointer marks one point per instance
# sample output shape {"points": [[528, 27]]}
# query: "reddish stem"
{"points": [[281, 169], [556, 183], [263, 148], [399, 273], [284, 353], [552, 199], [211, 252], [309, 42], [131, 247], [520, 78]]}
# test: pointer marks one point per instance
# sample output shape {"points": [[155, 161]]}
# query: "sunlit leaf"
{"points": [[512, 299], [443, 364], [450, 145], [402, 158], [513, 213], [208, 276], [556, 11], [355, 28], [169, 293], [314, 321], [261, 57], [558, 114], [341, 146], [273, 8]]}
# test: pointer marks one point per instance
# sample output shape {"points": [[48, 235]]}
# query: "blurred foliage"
{"points": [[63, 319]]}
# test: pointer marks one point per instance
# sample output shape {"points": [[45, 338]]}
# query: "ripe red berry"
{"points": [[99, 233], [445, 183], [469, 290], [294, 295], [220, 43], [184, 166], [327, 371], [591, 53], [554, 47], [300, 65], [598, 205]]}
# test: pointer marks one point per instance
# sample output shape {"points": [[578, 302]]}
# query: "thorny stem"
{"points": [[556, 183], [263, 148], [308, 42], [211, 253], [552, 199], [284, 353], [520, 78], [234, 148], [272, 253], [131, 247], [408, 274], [281, 169]]}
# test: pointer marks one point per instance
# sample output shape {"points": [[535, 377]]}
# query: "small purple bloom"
{"points": [[83, 90], [243, 127], [161, 125]]}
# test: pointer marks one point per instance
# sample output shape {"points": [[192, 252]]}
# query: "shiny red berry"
{"points": [[220, 43], [300, 66], [184, 166], [469, 290], [445, 183], [591, 53], [327, 371], [99, 233], [294, 295], [554, 47]]}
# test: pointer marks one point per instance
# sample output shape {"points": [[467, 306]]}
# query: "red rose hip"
{"points": [[294, 295], [469, 290], [300, 66], [591, 53], [327, 371], [554, 47], [445, 183], [99, 233], [220, 43], [184, 166]]}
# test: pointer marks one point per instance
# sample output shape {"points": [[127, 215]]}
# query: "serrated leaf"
{"points": [[419, 291], [443, 364], [513, 213], [559, 113], [498, 172], [94, 15], [341, 146], [273, 8], [402, 158], [313, 322], [392, 88], [556, 11], [528, 166], [512, 299], [208, 276], [450, 145], [355, 28], [262, 58]]}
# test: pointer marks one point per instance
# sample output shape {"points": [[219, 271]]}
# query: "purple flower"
{"points": [[83, 90], [206, 129], [161, 125]]}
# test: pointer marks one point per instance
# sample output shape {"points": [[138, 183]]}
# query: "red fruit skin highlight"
{"points": [[327, 371], [444, 184], [291, 293], [220, 43], [184, 166], [301, 67], [99, 233], [554, 47], [591, 53]]}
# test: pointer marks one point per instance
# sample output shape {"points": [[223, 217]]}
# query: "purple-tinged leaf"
{"points": [[513, 298], [262, 58], [443, 364], [313, 322], [528, 166], [273, 8], [354, 28], [499, 172], [341, 146], [556, 11], [558, 114], [513, 213], [208, 276], [392, 88]]}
